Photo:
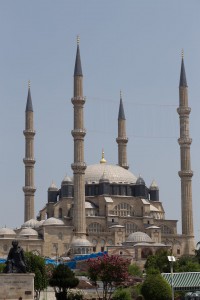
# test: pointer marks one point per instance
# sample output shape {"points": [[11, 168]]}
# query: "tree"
{"points": [[156, 287], [111, 270], [158, 262], [134, 270], [122, 294], [62, 279], [186, 264], [36, 264]]}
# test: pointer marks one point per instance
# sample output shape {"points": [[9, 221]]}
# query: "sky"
{"points": [[128, 45]]}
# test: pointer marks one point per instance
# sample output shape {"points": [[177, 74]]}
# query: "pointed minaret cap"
{"points": [[121, 114], [154, 185], [103, 160], [183, 81], [29, 106], [53, 186], [78, 68]]}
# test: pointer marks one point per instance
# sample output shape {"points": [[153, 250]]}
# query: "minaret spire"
{"points": [[122, 140], [29, 161], [79, 165], [185, 173]]}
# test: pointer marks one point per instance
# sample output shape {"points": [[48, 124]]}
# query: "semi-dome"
{"points": [[39, 223], [78, 242], [53, 221], [28, 232], [113, 173], [7, 231], [138, 237], [89, 205], [32, 223]]}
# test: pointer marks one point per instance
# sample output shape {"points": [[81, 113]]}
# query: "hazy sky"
{"points": [[131, 45]]}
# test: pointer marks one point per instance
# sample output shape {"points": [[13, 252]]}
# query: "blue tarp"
{"points": [[88, 256], [2, 260]]}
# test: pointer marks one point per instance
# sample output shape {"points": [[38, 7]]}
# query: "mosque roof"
{"points": [[28, 231], [138, 237], [7, 231], [32, 223], [53, 221], [78, 242], [113, 173], [89, 205]]}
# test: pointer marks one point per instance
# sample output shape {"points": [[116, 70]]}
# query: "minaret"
{"points": [[29, 161], [122, 140], [79, 165], [185, 173]]}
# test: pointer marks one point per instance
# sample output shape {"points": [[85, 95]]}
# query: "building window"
{"points": [[131, 227], [102, 249], [123, 210], [95, 227], [5, 247], [60, 236], [166, 230], [178, 251]]}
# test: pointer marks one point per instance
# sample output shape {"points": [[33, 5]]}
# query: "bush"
{"points": [[134, 270], [122, 294], [155, 287]]}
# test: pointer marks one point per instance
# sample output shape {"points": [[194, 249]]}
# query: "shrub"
{"points": [[122, 294], [155, 287]]}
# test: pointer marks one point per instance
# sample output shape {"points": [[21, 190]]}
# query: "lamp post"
{"points": [[171, 260]]}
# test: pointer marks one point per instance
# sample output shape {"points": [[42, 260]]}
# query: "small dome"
{"points": [[153, 185], [7, 231], [140, 181], [138, 237], [53, 221], [39, 223], [28, 231], [78, 242], [53, 187], [66, 179], [32, 223]]}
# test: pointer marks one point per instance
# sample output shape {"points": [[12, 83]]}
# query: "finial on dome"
{"points": [[182, 53], [78, 39], [103, 160], [29, 84]]}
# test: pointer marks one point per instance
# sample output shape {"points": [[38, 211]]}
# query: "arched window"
{"points": [[60, 213], [146, 252], [123, 210], [95, 227], [166, 230], [131, 227]]}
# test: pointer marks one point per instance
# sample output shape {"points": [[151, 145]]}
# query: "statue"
{"points": [[15, 261]]}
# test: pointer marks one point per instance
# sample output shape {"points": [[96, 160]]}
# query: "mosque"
{"points": [[103, 207]]}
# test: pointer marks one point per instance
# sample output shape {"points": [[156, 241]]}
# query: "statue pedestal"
{"points": [[17, 286]]}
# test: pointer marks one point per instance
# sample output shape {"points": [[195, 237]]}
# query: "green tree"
{"points": [[36, 264], [111, 270], [134, 270], [155, 287], [158, 262], [186, 264], [62, 279]]}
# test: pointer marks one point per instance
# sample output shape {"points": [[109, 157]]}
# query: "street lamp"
{"points": [[171, 260]]}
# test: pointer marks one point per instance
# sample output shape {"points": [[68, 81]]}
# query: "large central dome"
{"points": [[113, 173]]}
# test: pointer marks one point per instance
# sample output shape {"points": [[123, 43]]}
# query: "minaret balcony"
{"points": [[122, 140], [185, 173], [29, 133], [183, 111], [185, 141], [78, 100], [29, 190], [78, 133], [79, 167], [28, 161]]}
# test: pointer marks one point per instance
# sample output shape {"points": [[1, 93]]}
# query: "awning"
{"points": [[186, 281]]}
